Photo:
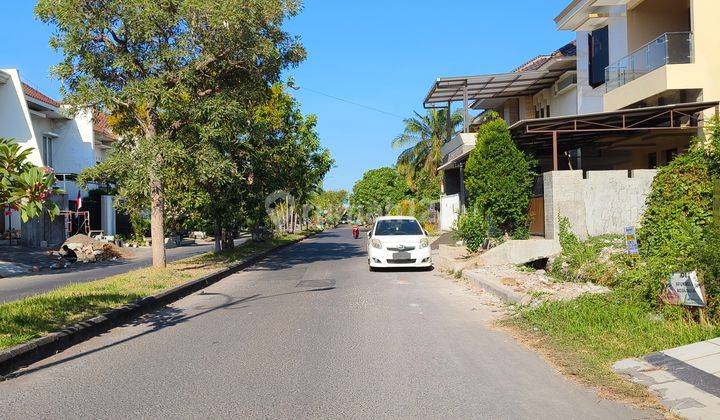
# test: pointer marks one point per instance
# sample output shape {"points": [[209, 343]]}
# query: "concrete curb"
{"points": [[25, 354], [494, 286]]}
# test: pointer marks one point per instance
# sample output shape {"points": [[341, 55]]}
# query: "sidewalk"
{"points": [[687, 378]]}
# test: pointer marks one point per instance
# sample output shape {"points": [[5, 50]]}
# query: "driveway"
{"points": [[308, 333], [18, 287]]}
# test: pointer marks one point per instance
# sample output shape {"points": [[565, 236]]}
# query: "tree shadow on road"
{"points": [[163, 318]]}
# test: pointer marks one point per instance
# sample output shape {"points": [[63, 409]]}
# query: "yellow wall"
{"points": [[652, 18], [703, 74]]}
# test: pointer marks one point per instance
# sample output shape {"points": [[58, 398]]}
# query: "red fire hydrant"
{"points": [[356, 231]]}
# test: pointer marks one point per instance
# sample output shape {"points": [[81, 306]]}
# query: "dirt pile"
{"points": [[92, 250]]}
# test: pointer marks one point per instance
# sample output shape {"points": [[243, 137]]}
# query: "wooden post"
{"points": [[555, 150]]}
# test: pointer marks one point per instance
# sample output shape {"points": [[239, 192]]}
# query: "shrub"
{"points": [[679, 207], [472, 228], [499, 179]]}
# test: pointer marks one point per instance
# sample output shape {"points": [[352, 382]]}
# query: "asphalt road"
{"points": [[308, 333], [18, 287]]}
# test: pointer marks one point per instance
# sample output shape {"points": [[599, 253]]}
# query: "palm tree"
{"points": [[425, 134]]}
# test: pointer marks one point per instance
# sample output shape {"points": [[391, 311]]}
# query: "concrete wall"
{"points": [[603, 202], [449, 210], [42, 229], [653, 18], [15, 121]]}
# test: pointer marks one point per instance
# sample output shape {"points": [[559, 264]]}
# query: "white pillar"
{"points": [[107, 214]]}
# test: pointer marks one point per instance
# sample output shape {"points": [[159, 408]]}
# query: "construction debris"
{"points": [[92, 250]]}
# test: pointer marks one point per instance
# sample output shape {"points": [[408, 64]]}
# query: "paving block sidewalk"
{"points": [[687, 378]]}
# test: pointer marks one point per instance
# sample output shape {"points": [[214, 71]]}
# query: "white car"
{"points": [[398, 241]]}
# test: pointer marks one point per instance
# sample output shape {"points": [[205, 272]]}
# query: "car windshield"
{"points": [[398, 227]]}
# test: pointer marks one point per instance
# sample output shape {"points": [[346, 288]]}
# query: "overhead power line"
{"points": [[371, 108]]}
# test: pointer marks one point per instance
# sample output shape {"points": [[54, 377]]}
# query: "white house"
{"points": [[65, 143]]}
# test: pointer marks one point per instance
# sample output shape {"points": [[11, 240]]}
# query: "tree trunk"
{"points": [[218, 233], [157, 220]]}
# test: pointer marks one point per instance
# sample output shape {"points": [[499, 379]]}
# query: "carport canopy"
{"points": [[558, 134], [491, 86]]}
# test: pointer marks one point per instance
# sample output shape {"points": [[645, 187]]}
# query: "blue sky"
{"points": [[382, 54]]}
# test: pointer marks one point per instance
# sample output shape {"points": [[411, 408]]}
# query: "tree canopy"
{"points": [[168, 70], [378, 191]]}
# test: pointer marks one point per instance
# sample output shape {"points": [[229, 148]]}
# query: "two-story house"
{"points": [[541, 87], [68, 144], [643, 81]]}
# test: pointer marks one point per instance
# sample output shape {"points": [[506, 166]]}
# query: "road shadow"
{"points": [[165, 318], [309, 252]]}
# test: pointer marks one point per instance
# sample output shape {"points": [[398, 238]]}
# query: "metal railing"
{"points": [[668, 48]]}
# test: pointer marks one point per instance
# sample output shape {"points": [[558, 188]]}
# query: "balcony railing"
{"points": [[668, 48]]}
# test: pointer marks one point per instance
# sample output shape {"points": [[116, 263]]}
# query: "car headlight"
{"points": [[376, 243], [424, 243]]}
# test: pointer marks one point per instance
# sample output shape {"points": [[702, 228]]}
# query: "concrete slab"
{"points": [[693, 351], [686, 379], [708, 363]]}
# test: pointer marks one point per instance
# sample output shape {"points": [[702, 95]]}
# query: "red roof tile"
{"points": [[39, 96], [101, 125], [567, 50]]}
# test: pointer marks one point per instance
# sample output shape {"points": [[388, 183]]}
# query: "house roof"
{"points": [[567, 10], [101, 125], [39, 96], [567, 50], [530, 78]]}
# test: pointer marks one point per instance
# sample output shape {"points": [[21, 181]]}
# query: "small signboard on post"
{"points": [[684, 289], [631, 241]]}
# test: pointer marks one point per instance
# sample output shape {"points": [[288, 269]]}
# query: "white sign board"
{"points": [[684, 289]]}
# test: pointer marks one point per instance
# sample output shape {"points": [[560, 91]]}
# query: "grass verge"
{"points": [[584, 337], [35, 316]]}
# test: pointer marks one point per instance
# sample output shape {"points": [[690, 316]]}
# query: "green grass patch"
{"points": [[584, 337], [35, 316]]}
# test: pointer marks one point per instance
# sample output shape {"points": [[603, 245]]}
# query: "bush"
{"points": [[472, 228], [679, 207], [499, 179]]}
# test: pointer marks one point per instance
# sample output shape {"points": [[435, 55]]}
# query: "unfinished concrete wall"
{"points": [[41, 229], [599, 203]]}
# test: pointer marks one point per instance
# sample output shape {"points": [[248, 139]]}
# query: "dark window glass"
{"points": [[652, 160], [670, 155], [547, 111], [599, 57], [398, 227]]}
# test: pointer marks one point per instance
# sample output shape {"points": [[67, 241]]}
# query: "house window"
{"points": [[599, 56], [47, 150], [670, 155], [652, 160], [547, 111]]}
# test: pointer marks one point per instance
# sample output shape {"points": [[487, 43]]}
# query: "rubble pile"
{"points": [[92, 250]]}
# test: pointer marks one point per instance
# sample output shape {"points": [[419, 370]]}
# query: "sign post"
{"points": [[631, 241], [684, 289]]}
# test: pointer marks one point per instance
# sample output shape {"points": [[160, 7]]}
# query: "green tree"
{"points": [[425, 135], [23, 186], [159, 66], [378, 191], [331, 204], [499, 179]]}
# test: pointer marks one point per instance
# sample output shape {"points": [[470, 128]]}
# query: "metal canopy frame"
{"points": [[580, 130], [492, 86]]}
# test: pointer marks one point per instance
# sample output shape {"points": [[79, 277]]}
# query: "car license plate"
{"points": [[401, 256]]}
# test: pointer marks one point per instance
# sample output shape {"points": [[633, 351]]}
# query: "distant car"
{"points": [[344, 220], [398, 241]]}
